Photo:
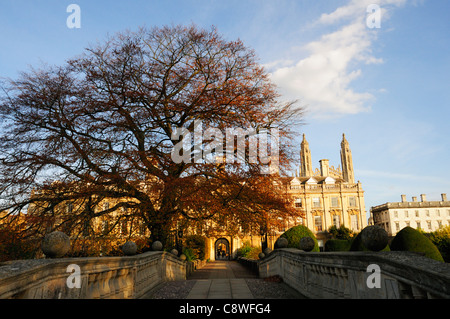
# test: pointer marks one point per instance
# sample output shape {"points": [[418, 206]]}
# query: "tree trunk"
{"points": [[159, 232]]}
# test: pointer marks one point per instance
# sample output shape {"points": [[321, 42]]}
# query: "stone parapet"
{"points": [[97, 277], [354, 275]]}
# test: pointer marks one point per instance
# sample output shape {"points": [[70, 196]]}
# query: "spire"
{"points": [[305, 159], [347, 161]]}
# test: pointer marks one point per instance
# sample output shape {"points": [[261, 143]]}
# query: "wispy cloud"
{"points": [[322, 79]]}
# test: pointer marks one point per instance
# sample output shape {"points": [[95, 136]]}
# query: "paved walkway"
{"points": [[224, 280], [221, 280]]}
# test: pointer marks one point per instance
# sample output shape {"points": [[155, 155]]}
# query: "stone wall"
{"points": [[192, 266], [98, 277], [352, 275]]}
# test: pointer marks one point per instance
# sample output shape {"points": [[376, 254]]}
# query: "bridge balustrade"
{"points": [[359, 275], [99, 277]]}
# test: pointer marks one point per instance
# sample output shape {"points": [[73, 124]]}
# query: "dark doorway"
{"points": [[222, 249]]}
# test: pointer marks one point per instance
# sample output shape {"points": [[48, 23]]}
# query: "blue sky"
{"points": [[387, 88]]}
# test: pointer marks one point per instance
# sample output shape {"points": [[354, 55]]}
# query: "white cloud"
{"points": [[323, 78]]}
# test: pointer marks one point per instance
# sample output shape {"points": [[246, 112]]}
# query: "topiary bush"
{"points": [[189, 253], [248, 251], [337, 245], [294, 234], [409, 239], [441, 239], [357, 245], [198, 245]]}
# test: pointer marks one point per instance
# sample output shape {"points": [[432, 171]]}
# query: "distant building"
{"points": [[329, 196], [426, 215]]}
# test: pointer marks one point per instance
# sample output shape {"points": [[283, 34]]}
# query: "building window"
{"points": [[124, 228], [336, 221], [316, 202], [352, 201], [438, 212], [417, 213], [354, 222], [418, 224], [397, 227], [407, 224], [439, 223], [334, 202], [427, 212], [395, 214], [69, 208], [318, 223], [429, 224], [105, 226], [406, 214], [298, 203]]}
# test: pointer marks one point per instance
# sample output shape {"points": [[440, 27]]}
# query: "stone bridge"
{"points": [[347, 275]]}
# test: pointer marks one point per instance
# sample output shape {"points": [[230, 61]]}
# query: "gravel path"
{"points": [[174, 290], [262, 289]]}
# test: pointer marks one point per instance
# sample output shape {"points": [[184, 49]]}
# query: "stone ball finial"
{"points": [[374, 238], [307, 243], [157, 246], [55, 244], [261, 255], [183, 257], [267, 251], [129, 248], [174, 252], [282, 242]]}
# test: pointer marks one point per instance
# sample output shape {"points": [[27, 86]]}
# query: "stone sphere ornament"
{"points": [[157, 246], [55, 244], [174, 252], [267, 251], [129, 248], [183, 257], [282, 242], [374, 238], [307, 244], [261, 255]]}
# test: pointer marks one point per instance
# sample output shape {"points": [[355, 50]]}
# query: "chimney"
{"points": [[324, 167], [423, 197], [403, 198], [444, 197], [414, 199]]}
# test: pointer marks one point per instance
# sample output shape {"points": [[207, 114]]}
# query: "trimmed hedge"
{"points": [[409, 239], [337, 245], [294, 234]]}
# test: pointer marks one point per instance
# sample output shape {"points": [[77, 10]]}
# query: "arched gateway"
{"points": [[222, 249]]}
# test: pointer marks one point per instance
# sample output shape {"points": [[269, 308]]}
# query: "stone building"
{"points": [[426, 215], [328, 196]]}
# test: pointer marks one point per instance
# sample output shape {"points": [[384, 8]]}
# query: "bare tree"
{"points": [[102, 127]]}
